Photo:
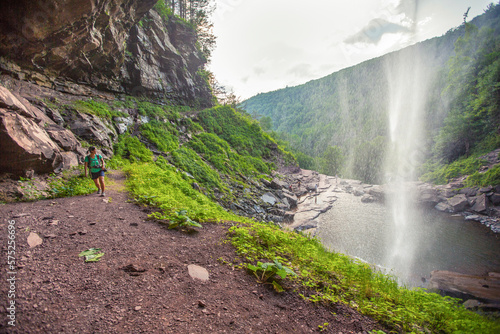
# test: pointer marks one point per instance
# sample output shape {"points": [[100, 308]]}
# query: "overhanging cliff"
{"points": [[118, 46]]}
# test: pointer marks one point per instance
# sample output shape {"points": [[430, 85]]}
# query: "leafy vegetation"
{"points": [[334, 277], [218, 152], [131, 148], [163, 134], [443, 173], [240, 131], [266, 271], [70, 183], [187, 160], [96, 108], [162, 186]]}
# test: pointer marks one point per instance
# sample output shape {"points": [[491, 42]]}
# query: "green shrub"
{"points": [[131, 148], [218, 152], [156, 111], [163, 135], [490, 177], [242, 133], [187, 160], [100, 109], [161, 185], [442, 174]]}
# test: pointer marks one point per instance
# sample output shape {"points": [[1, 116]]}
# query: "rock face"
{"points": [[458, 285], [25, 146], [30, 141], [84, 46]]}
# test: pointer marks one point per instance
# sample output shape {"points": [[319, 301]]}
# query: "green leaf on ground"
{"points": [[92, 254]]}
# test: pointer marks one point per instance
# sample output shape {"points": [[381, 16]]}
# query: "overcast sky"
{"points": [[264, 45]]}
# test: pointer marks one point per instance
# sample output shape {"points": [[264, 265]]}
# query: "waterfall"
{"points": [[407, 82]]}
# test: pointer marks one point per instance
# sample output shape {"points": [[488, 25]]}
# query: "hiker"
{"points": [[95, 163]]}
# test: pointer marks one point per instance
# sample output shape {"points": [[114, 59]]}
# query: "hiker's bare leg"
{"points": [[96, 181], [101, 182]]}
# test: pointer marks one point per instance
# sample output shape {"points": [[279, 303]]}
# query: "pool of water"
{"points": [[431, 240]]}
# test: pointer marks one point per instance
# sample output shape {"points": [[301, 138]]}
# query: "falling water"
{"points": [[407, 84]]}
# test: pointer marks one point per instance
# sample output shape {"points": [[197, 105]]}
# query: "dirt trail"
{"points": [[57, 292]]}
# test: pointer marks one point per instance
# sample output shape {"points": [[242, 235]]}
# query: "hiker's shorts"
{"points": [[96, 175]]}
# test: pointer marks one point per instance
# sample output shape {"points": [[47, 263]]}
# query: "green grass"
{"points": [[442, 174], [490, 177], [161, 185], [218, 152], [70, 183], [334, 277], [131, 148], [96, 108], [163, 134], [242, 133], [187, 160]]}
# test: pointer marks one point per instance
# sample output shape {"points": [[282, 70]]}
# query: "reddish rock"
{"points": [[26, 146], [466, 286]]}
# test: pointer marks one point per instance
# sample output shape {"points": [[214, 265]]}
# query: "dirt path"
{"points": [[57, 292]]}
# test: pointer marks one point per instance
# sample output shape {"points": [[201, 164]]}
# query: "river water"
{"points": [[434, 241]]}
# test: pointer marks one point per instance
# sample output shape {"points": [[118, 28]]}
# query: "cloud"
{"points": [[374, 31], [258, 70], [301, 70]]}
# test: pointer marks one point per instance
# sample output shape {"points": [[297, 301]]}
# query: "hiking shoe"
{"points": [[103, 194], [99, 192]]}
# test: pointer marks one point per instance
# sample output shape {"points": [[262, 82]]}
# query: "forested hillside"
{"points": [[339, 123]]}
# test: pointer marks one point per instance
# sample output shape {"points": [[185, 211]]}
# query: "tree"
{"points": [[473, 92], [369, 161], [266, 123], [332, 160]]}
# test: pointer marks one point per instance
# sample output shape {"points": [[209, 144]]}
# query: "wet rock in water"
{"points": [[367, 199], [358, 192], [428, 196], [481, 205], [306, 226], [483, 288], [443, 207], [377, 191], [458, 203], [473, 217]]}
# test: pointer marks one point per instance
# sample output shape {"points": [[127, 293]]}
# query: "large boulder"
{"points": [[377, 191], [481, 204], [458, 203], [25, 146], [428, 195], [484, 288], [63, 137], [91, 128]]}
